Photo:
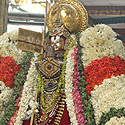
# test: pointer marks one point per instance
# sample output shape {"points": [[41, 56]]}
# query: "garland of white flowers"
{"points": [[116, 121], [5, 93], [69, 87], [108, 95], [28, 95], [99, 41], [8, 48], [13, 36]]}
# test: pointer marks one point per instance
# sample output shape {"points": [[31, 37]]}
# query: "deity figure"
{"points": [[64, 18]]}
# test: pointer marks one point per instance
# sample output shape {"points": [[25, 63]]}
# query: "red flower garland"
{"points": [[76, 95], [98, 70], [8, 70]]}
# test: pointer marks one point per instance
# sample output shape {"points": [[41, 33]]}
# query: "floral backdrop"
{"points": [[103, 58], [94, 79]]}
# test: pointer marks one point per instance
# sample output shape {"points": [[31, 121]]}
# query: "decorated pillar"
{"points": [[3, 15]]}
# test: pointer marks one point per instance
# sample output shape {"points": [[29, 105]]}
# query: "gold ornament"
{"points": [[70, 14], [49, 67]]}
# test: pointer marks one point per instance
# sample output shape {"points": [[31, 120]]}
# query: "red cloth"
{"points": [[64, 121]]}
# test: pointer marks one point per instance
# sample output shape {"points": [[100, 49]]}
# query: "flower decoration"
{"points": [[73, 97], [19, 81], [8, 47], [13, 117], [98, 70], [13, 35], [5, 93], [110, 94], [76, 94], [104, 71], [100, 41], [68, 80], [114, 120], [27, 103], [8, 70], [87, 108], [103, 58], [69, 87]]}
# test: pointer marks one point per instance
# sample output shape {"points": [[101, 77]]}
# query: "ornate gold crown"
{"points": [[70, 14]]}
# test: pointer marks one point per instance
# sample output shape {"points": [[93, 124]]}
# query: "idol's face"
{"points": [[58, 36]]}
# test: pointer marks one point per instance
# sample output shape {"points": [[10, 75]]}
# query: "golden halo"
{"points": [[69, 13]]}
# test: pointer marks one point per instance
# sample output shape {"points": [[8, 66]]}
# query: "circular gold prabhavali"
{"points": [[68, 13]]}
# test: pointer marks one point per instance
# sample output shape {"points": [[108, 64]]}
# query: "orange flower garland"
{"points": [[98, 70], [8, 70]]}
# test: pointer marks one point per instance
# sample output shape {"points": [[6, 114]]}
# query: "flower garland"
{"points": [[13, 35], [69, 87], [19, 81], [8, 70], [99, 41], [13, 117], [5, 93], [98, 70], [87, 108], [114, 120], [112, 113], [76, 95], [8, 46], [68, 81], [27, 103], [73, 100], [108, 95], [7, 36]]}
